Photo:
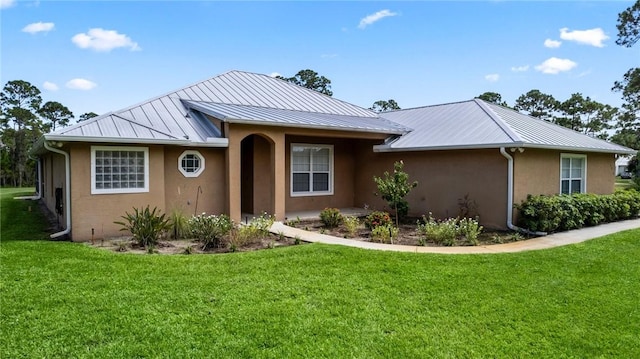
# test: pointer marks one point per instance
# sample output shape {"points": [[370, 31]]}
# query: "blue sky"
{"points": [[103, 56]]}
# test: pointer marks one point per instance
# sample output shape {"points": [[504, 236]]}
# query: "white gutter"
{"points": [[67, 203], [510, 224]]}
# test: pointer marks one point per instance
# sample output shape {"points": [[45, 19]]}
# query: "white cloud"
{"points": [[38, 27], [492, 77], [552, 44], [329, 56], [370, 19], [50, 86], [520, 68], [81, 84], [593, 37], [5, 4], [555, 65], [104, 40], [275, 74]]}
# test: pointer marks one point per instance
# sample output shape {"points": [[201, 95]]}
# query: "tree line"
{"points": [[23, 119]]}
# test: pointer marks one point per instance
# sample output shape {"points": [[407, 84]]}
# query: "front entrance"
{"points": [[257, 175]]}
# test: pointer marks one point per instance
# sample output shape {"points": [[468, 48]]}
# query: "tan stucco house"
{"points": [[249, 143]]}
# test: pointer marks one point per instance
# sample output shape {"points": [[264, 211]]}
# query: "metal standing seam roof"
{"points": [[479, 124], [166, 118], [278, 117]]}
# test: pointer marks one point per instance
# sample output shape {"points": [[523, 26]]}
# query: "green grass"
{"points": [[61, 299], [623, 183]]}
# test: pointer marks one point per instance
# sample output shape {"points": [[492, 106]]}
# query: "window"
{"points": [[573, 170], [311, 170], [119, 169], [191, 163]]}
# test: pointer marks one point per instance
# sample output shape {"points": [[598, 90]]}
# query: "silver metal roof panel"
{"points": [[479, 124], [280, 117]]}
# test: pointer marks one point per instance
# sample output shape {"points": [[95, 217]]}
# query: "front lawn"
{"points": [[60, 299]]}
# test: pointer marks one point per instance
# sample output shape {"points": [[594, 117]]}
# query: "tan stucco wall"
{"points": [[538, 172], [99, 211], [343, 176], [181, 193], [444, 177]]}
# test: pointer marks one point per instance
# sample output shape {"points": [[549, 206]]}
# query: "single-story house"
{"points": [[622, 165], [249, 143]]}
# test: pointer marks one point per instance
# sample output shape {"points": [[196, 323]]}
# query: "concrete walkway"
{"points": [[550, 241]]}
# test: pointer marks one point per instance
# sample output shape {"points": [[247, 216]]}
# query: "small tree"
{"points": [[394, 188]]}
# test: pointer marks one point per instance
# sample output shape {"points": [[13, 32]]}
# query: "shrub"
{"points": [[250, 233], [145, 225], [564, 212], [331, 217], [394, 188], [211, 229], [470, 229], [446, 232], [178, 224], [377, 218], [440, 232], [384, 233], [351, 224]]}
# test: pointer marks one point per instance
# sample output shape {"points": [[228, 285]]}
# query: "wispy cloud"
{"points": [[81, 84], [50, 86], [104, 40], [593, 37], [5, 4], [275, 74], [370, 19], [37, 27], [329, 56], [552, 44], [492, 77], [555, 65], [520, 68]]}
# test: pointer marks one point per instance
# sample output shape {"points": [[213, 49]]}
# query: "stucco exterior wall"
{"points": [[182, 193], [444, 178], [343, 176], [538, 172], [99, 211]]}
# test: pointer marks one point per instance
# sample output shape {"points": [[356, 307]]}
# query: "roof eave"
{"points": [[310, 126], [390, 148], [211, 142]]}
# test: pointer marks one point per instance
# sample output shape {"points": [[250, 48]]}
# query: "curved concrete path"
{"points": [[550, 241]]}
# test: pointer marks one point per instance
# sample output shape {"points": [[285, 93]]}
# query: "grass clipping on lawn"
{"points": [[61, 299]]}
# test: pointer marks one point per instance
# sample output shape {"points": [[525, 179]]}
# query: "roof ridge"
{"points": [[498, 120], [427, 106]]}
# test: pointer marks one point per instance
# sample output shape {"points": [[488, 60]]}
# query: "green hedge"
{"points": [[564, 212]]}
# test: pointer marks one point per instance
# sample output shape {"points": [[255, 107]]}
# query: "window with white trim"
{"points": [[311, 170], [191, 163], [116, 169], [573, 172]]}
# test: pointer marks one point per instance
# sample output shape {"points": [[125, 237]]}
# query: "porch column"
{"points": [[233, 194], [279, 173]]}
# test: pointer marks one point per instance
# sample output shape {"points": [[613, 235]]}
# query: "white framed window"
{"points": [[573, 173], [311, 170], [117, 169], [191, 163]]}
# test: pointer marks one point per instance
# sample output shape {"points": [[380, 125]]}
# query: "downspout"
{"points": [[510, 224], [67, 203]]}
